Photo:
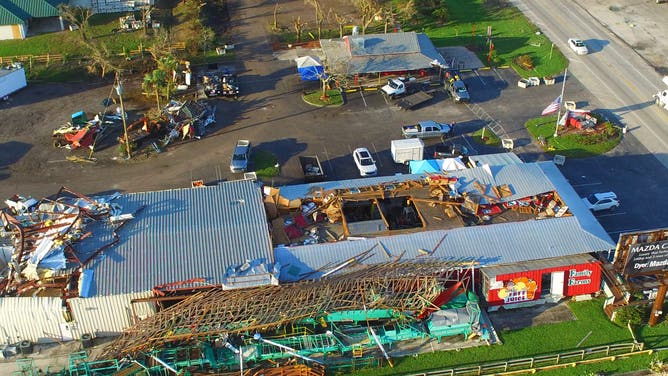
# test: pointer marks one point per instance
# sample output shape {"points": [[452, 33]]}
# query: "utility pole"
{"points": [[119, 91]]}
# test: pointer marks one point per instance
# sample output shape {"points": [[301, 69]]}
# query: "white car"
{"points": [[364, 162], [578, 46], [601, 201]]}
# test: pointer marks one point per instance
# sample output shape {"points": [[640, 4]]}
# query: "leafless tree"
{"points": [[369, 10], [388, 16], [276, 8], [299, 26], [145, 15], [77, 16], [319, 16], [340, 20], [408, 11]]}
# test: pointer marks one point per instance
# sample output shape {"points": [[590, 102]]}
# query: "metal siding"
{"points": [[590, 288], [105, 316], [36, 319], [536, 269], [184, 234]]}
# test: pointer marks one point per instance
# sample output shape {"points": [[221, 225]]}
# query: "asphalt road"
{"points": [[613, 72]]}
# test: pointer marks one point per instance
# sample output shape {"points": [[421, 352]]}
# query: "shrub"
{"points": [[525, 61], [629, 314]]}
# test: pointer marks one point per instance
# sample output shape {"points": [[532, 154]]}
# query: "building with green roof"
{"points": [[17, 15]]}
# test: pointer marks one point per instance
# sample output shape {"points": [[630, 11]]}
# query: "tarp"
{"points": [[310, 68], [432, 166], [436, 166]]}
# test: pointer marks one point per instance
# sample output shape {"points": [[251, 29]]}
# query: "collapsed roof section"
{"points": [[492, 214], [405, 287], [44, 237]]}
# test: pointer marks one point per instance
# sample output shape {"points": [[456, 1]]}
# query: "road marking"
{"points": [[331, 168], [363, 99], [625, 230], [585, 184], [610, 215], [376, 152], [479, 78]]}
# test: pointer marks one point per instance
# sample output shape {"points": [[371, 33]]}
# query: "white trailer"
{"points": [[11, 80], [410, 149]]}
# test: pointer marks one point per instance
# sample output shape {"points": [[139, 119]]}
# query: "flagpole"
{"points": [[563, 86]]}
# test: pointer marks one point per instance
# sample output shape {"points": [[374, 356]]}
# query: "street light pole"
{"points": [[119, 91]]}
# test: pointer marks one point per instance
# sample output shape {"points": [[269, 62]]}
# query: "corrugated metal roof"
{"points": [[382, 52], [383, 44], [39, 8], [489, 244], [292, 192], [10, 14], [496, 159], [181, 234], [556, 262], [524, 180], [492, 244]]}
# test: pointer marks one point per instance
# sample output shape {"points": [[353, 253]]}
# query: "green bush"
{"points": [[629, 314]]}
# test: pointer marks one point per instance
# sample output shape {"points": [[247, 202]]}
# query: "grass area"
{"points": [[334, 98], [571, 144], [512, 34], [490, 138], [67, 42], [266, 164], [542, 340]]}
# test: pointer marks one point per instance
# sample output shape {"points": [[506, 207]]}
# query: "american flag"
{"points": [[552, 108]]}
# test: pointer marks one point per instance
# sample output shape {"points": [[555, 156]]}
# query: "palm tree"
{"points": [[168, 65], [154, 82]]}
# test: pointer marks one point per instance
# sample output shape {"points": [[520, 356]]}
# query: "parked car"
{"points": [[450, 150], [364, 162], [578, 46], [458, 91], [239, 161], [601, 201]]}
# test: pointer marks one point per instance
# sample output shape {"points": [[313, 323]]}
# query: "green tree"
{"points": [[154, 82], [207, 38], [441, 14], [168, 64]]}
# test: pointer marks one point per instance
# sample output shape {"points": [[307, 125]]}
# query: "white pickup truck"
{"points": [[426, 129], [396, 87], [661, 98]]}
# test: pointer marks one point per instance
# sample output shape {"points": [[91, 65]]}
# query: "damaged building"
{"points": [[515, 233]]}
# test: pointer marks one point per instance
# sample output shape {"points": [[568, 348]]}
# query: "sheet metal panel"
{"points": [[105, 316], [181, 234], [492, 244], [36, 319]]}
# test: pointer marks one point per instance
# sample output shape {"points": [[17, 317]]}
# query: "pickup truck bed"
{"points": [[413, 100], [311, 168]]}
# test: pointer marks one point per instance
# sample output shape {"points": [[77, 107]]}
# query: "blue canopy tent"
{"points": [[310, 68]]}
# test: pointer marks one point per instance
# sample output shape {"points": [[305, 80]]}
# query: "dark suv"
{"points": [[450, 150]]}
